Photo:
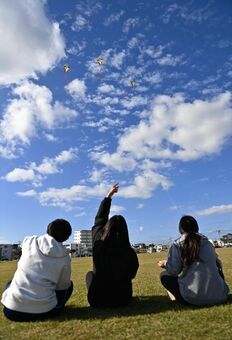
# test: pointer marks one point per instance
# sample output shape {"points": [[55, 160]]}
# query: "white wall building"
{"points": [[83, 237], [83, 240]]}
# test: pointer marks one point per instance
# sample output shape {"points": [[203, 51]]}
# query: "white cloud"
{"points": [[77, 48], [30, 110], [111, 58], [36, 173], [80, 214], [215, 210], [104, 124], [144, 185], [180, 130], [141, 228], [140, 206], [117, 59], [116, 209], [65, 197], [88, 7], [50, 137], [29, 193], [30, 42], [66, 156], [77, 89], [173, 130], [104, 101], [170, 60], [96, 175], [154, 78], [133, 42], [80, 23], [113, 18], [21, 175], [134, 101], [106, 88], [130, 24], [115, 161], [187, 13]]}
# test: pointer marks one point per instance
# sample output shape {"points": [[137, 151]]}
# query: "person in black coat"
{"points": [[115, 263]]}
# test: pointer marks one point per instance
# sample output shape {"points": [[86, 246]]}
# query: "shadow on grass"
{"points": [[140, 305]]}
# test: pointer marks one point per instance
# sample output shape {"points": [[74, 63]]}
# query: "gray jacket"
{"points": [[200, 283]]}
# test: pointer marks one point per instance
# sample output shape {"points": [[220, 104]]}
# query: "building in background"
{"points": [[83, 239], [78, 249], [227, 239], [10, 252]]}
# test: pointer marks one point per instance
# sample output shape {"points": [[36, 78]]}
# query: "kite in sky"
{"points": [[133, 83], [66, 68], [100, 63]]}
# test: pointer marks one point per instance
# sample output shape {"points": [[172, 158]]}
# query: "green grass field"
{"points": [[151, 315]]}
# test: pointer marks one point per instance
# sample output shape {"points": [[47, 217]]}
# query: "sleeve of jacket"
{"points": [[101, 218], [64, 281], [174, 263]]}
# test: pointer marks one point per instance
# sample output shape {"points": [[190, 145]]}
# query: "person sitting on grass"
{"points": [[201, 280], [41, 284], [115, 263]]}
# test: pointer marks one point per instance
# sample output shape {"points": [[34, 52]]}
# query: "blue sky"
{"points": [[65, 138]]}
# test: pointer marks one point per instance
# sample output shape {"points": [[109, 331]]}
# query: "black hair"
{"points": [[115, 232], [59, 229], [191, 244]]}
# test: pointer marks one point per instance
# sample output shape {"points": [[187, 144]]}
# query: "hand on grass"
{"points": [[113, 190], [162, 263]]}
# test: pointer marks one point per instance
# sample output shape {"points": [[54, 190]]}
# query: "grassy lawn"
{"points": [[150, 316]]}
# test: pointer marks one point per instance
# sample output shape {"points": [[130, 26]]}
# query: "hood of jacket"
{"points": [[47, 245]]}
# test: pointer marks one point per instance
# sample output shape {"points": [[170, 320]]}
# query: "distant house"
{"points": [[79, 249], [151, 249], [227, 238], [140, 248], [9, 252]]}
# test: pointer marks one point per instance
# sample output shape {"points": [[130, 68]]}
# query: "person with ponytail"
{"points": [[193, 273], [115, 263]]}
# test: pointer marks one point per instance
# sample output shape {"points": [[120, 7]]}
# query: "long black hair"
{"points": [[115, 232], [191, 244]]}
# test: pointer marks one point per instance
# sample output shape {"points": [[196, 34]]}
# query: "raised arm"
{"points": [[102, 215]]}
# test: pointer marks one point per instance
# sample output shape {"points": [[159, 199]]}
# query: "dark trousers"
{"points": [[172, 285], [62, 297]]}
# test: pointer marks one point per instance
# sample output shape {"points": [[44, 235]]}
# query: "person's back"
{"points": [[112, 282], [193, 271], [115, 262], [200, 283], [43, 270]]}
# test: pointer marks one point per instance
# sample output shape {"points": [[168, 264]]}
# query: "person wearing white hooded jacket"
{"points": [[42, 282]]}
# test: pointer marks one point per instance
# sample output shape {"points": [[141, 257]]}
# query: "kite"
{"points": [[66, 68], [100, 61], [133, 83]]}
